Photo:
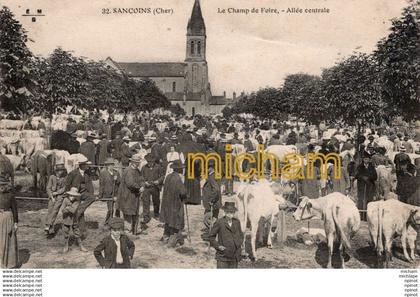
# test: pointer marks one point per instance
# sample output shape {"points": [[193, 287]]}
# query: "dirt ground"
{"points": [[38, 251]]}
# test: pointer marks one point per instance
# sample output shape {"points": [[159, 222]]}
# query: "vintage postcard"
{"points": [[197, 134]]}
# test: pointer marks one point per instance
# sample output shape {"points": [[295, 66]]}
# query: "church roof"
{"points": [[153, 69], [196, 24]]}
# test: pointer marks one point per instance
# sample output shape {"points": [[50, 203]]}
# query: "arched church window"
{"points": [[174, 87], [192, 47], [199, 48]]}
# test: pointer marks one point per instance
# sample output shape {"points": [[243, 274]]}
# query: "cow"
{"points": [[42, 162], [341, 220], [18, 162], [386, 182], [33, 144], [255, 201], [281, 150], [388, 219], [12, 124]]}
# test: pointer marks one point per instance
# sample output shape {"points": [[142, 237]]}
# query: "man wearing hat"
{"points": [[115, 250], [73, 146], [159, 151], [79, 178], [103, 152], [70, 221], [126, 152], [55, 189], [400, 158], [366, 176], [88, 148], [115, 146], [109, 181], [129, 192], [172, 212], [153, 175], [229, 238]]}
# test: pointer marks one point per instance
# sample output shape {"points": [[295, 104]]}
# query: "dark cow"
{"points": [[62, 140]]}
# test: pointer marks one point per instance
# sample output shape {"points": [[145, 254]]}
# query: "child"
{"points": [[229, 238], [117, 247], [70, 205]]}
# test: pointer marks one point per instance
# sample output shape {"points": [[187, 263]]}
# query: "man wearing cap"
{"points": [[115, 250], [132, 184], [55, 189], [212, 196], [88, 148], [109, 181], [70, 221], [366, 176], [153, 175], [229, 238], [172, 212], [126, 152], [79, 178]]}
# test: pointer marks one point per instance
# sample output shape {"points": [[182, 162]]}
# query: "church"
{"points": [[184, 83]]}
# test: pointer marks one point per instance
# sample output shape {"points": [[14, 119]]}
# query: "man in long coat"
{"points": [[103, 152], [172, 212], [366, 176], [129, 192]]}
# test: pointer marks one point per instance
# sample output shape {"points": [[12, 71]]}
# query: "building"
{"points": [[186, 83]]}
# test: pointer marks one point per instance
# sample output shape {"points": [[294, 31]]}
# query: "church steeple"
{"points": [[196, 24], [196, 35]]}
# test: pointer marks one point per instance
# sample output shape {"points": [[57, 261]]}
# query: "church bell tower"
{"points": [[197, 72]]}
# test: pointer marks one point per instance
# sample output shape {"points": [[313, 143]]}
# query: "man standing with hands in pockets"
{"points": [[229, 238]]}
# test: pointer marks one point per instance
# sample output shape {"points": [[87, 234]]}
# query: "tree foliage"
{"points": [[352, 91], [16, 65], [399, 61]]}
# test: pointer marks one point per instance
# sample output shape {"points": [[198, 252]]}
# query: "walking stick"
{"points": [[188, 224], [211, 225]]}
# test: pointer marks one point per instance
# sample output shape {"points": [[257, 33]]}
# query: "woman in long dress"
{"points": [[8, 225]]}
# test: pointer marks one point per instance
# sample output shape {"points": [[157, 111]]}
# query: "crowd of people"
{"points": [[140, 163]]}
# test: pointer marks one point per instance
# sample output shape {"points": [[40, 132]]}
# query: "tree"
{"points": [[302, 95], [351, 90], [104, 86], [143, 95], [63, 81], [16, 65], [399, 61]]}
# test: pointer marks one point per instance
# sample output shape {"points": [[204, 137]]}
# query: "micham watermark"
{"points": [[292, 166]]}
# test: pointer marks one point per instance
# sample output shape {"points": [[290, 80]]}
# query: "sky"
{"points": [[245, 52]]}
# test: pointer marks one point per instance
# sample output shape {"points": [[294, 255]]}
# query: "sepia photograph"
{"points": [[198, 134]]}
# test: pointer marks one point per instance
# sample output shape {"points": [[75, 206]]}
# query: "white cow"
{"points": [[257, 200], [341, 219], [390, 218], [12, 124], [281, 150]]}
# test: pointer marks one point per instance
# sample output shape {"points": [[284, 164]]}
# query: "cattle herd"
{"points": [[386, 199]]}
